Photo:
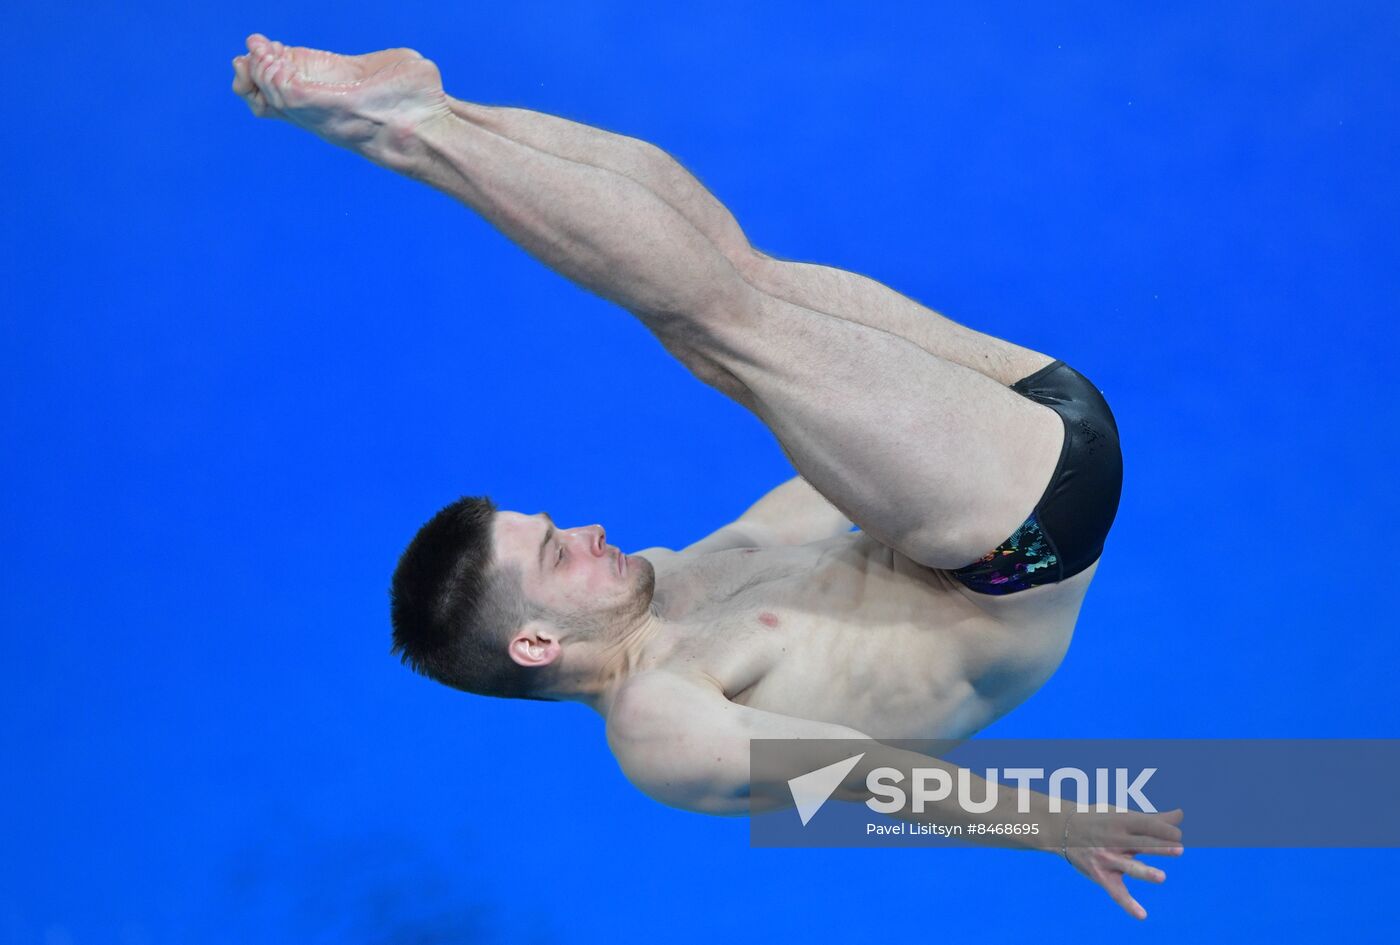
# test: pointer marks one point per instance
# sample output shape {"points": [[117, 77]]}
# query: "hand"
{"points": [[1102, 846]]}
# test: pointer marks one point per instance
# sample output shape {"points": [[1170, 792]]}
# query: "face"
{"points": [[573, 571]]}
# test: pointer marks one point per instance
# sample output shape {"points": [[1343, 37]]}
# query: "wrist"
{"points": [[1057, 833]]}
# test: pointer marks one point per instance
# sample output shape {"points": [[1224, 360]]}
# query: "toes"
{"points": [[257, 62], [275, 76], [263, 75], [256, 103], [261, 93], [242, 81], [264, 70], [243, 86]]}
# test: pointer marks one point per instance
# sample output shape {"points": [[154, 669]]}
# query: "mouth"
{"points": [[621, 562]]}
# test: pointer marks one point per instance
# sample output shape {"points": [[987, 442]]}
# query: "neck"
{"points": [[601, 667]]}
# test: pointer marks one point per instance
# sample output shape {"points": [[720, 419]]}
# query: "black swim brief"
{"points": [[1066, 531]]}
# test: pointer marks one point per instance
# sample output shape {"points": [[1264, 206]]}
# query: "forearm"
{"points": [[598, 228], [638, 160], [1048, 827], [794, 513]]}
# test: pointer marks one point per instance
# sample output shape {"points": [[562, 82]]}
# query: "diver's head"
{"points": [[489, 601]]}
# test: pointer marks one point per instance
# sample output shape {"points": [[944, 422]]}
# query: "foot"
{"points": [[372, 104]]}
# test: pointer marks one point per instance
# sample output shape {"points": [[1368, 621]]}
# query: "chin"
{"points": [[642, 574], [639, 586]]}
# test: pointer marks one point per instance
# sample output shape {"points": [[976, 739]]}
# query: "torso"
{"points": [[849, 631]]}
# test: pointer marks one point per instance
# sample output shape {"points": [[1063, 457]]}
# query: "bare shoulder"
{"points": [[680, 741], [668, 560], [658, 556], [737, 534], [657, 703], [668, 734]]}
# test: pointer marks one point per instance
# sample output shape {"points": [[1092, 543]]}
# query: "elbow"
{"points": [[699, 797]]}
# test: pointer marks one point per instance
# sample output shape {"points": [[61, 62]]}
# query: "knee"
{"points": [[714, 322], [759, 271], [708, 367], [945, 549]]}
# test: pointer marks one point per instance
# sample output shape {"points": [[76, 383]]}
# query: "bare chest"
{"points": [[849, 632]]}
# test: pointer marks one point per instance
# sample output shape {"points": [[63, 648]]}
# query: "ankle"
{"points": [[404, 141]]}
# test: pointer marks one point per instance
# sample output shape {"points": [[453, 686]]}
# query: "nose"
{"points": [[592, 537], [597, 539]]}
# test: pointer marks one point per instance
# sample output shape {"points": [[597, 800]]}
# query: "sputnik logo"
{"points": [[813, 789]]}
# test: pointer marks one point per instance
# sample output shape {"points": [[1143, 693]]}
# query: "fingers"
{"points": [[1140, 870], [1161, 826], [1113, 883], [1154, 845]]}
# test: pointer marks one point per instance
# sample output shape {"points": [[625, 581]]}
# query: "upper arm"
{"points": [[738, 534], [793, 513], [681, 742]]}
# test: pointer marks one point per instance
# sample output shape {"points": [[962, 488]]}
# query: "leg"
{"points": [[930, 457], [825, 289], [926, 454], [831, 291], [821, 288]]}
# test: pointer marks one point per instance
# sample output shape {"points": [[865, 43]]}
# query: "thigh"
{"points": [[860, 299], [925, 454]]}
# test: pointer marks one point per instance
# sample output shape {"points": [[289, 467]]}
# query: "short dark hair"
{"points": [[453, 607]]}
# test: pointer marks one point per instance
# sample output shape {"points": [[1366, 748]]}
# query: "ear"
{"points": [[535, 645]]}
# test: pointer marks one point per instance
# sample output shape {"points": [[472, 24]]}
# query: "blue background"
{"points": [[240, 367]]}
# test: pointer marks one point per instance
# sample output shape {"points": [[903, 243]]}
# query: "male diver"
{"points": [[983, 477]]}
